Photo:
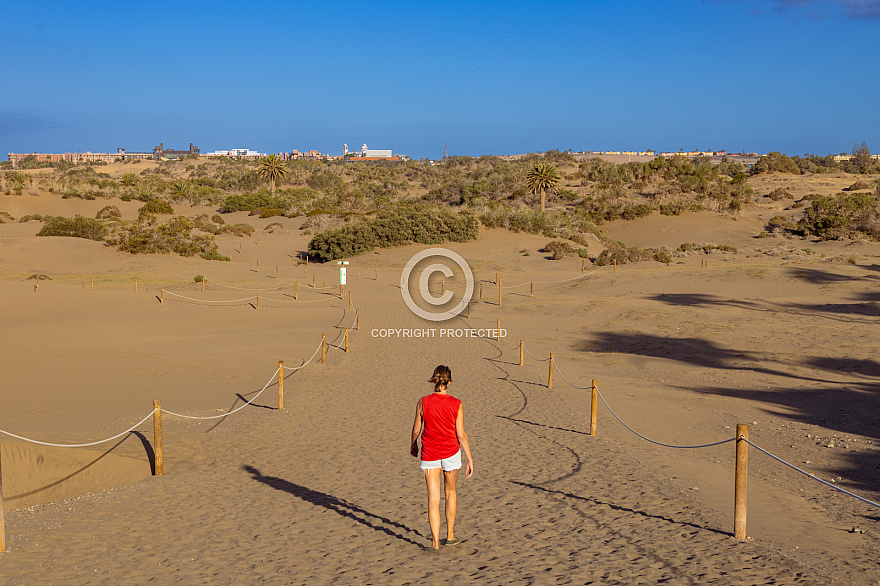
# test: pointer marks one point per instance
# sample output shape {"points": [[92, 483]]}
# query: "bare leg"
{"points": [[432, 479], [451, 502]]}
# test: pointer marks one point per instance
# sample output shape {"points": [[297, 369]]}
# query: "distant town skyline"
{"points": [[487, 78]]}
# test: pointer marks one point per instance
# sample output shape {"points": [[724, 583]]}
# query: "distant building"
{"points": [[367, 159], [312, 155], [246, 154], [160, 152], [77, 157], [368, 152]]}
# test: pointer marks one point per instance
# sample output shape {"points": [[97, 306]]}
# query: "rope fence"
{"points": [[158, 410], [741, 439]]}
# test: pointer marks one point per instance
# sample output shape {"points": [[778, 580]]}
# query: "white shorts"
{"points": [[448, 464]]}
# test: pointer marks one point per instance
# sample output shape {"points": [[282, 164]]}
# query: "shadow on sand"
{"points": [[335, 504]]}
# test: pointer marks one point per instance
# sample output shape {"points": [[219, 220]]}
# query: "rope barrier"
{"points": [[805, 473], [209, 300], [656, 442], [556, 367], [307, 362], [248, 289], [246, 403], [104, 441], [262, 298]]}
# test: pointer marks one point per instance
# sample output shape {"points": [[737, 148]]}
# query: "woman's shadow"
{"points": [[337, 505]]}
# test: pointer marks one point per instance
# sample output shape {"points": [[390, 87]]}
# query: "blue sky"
{"points": [[798, 76]]}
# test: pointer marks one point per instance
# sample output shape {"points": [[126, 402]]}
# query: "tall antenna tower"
{"points": [[444, 151]]}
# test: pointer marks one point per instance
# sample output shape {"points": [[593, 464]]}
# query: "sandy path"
{"points": [[323, 494]]}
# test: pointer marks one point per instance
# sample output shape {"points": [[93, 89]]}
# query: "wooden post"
{"points": [[496, 277], [313, 280], [276, 271], [346, 339], [2, 516], [357, 319], [306, 275], [341, 293], [307, 261], [582, 265], [481, 291], [323, 348], [161, 295], [349, 299], [324, 286], [239, 248], [359, 271], [280, 385], [258, 302], [203, 284], [442, 286], [377, 274], [498, 331], [531, 288], [468, 310], [157, 436], [296, 291], [499, 292], [615, 265], [258, 266], [742, 472], [550, 378], [594, 403], [521, 351]]}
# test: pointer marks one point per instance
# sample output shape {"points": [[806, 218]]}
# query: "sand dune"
{"points": [[325, 491]]}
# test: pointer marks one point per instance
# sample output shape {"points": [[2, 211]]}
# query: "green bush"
{"points": [[199, 278], [236, 229], [156, 206], [623, 254], [636, 211], [559, 249], [108, 212], [251, 201], [271, 213], [859, 186], [780, 193], [404, 225], [831, 218], [218, 219], [76, 227], [214, 256], [173, 236]]}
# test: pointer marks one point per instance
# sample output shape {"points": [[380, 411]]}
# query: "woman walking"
{"points": [[440, 421]]}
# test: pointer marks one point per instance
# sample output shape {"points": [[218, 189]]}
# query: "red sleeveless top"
{"points": [[439, 439]]}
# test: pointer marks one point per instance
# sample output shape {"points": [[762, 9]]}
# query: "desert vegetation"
{"points": [[577, 196]]}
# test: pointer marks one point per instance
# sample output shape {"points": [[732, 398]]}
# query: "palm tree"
{"points": [[272, 168], [541, 178], [180, 189]]}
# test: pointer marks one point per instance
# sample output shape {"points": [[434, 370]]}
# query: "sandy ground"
{"points": [[325, 491]]}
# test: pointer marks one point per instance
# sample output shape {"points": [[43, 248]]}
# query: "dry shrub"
{"points": [[77, 227], [108, 212], [780, 193], [559, 249]]}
